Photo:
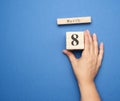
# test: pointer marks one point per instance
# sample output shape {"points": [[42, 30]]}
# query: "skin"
{"points": [[86, 67]]}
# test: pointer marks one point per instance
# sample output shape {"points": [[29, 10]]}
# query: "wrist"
{"points": [[86, 83], [88, 91]]}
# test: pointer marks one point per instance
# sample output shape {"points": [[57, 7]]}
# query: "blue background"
{"points": [[32, 65]]}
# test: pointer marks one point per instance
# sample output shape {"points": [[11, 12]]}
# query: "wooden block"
{"points": [[74, 40], [75, 20]]}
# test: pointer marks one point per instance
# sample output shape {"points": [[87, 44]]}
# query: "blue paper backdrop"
{"points": [[32, 65]]}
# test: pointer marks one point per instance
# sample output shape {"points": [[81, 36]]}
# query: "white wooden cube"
{"points": [[74, 40]]}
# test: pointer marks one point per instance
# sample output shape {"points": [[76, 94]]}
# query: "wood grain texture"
{"points": [[75, 20]]}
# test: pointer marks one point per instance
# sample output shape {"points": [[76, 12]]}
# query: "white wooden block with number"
{"points": [[74, 40]]}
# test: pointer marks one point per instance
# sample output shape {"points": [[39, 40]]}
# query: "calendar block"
{"points": [[74, 20], [74, 40]]}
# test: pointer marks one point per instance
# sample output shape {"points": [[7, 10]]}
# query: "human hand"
{"points": [[86, 67]]}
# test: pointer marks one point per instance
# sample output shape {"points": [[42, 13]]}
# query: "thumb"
{"points": [[70, 55]]}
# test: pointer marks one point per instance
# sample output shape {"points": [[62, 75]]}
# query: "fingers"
{"points": [[95, 44], [91, 46], [87, 42], [91, 41], [70, 55], [100, 56]]}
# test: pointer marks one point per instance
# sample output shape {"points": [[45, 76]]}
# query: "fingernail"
{"points": [[101, 43], [94, 35], [87, 31], [64, 51]]}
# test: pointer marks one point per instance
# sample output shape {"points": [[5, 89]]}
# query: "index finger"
{"points": [[87, 41]]}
